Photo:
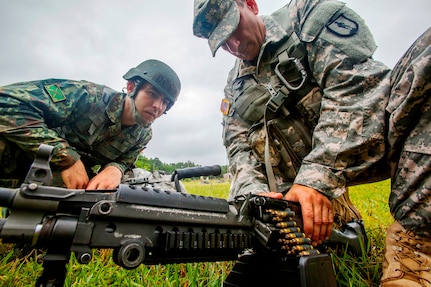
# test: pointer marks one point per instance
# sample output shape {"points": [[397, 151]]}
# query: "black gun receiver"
{"points": [[151, 226]]}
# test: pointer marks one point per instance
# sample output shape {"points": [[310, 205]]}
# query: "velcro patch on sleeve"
{"points": [[225, 106], [343, 26], [55, 93]]}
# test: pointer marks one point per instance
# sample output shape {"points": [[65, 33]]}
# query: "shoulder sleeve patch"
{"points": [[343, 26], [225, 106], [55, 93]]}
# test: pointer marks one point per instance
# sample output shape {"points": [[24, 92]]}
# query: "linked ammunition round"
{"points": [[290, 230], [294, 235], [283, 214], [286, 224], [309, 252], [303, 247], [299, 241]]}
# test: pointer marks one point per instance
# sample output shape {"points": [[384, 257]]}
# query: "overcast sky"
{"points": [[99, 40]]}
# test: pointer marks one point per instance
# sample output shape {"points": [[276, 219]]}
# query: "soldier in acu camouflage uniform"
{"points": [[87, 124], [407, 261], [328, 129], [306, 112]]}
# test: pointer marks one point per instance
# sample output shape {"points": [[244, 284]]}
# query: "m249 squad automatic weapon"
{"points": [[144, 225]]}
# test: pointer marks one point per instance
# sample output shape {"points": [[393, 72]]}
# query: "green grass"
{"points": [[102, 271], [218, 189], [365, 270]]}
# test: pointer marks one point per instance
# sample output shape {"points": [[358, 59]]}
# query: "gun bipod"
{"points": [[54, 268]]}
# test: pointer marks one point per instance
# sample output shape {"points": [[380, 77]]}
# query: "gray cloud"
{"points": [[100, 40]]}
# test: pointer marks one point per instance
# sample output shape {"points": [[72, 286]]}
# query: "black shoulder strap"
{"points": [[293, 71], [292, 67]]}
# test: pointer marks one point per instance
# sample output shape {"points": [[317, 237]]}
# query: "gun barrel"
{"points": [[7, 196]]}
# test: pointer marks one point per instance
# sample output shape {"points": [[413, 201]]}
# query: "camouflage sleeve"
{"points": [[29, 139], [247, 173], [349, 137], [29, 110]]}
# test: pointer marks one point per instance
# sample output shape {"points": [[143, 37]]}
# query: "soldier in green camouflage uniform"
{"points": [[346, 110], [87, 124]]}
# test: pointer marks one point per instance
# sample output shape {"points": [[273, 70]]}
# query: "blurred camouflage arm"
{"points": [[34, 132], [29, 112]]}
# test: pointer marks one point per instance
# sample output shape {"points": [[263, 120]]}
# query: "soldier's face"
{"points": [[150, 104], [246, 40]]}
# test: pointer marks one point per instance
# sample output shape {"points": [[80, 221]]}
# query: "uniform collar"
{"points": [[115, 107], [114, 111]]}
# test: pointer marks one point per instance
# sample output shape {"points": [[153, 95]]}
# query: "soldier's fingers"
{"points": [[92, 185], [318, 228], [308, 220], [272, 194], [75, 184], [326, 226], [330, 222]]}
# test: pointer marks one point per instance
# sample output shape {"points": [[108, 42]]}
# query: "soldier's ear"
{"points": [[130, 86], [252, 5]]}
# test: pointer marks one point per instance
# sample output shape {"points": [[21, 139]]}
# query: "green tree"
{"points": [[143, 162]]}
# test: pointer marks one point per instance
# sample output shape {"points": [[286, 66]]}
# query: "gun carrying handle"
{"points": [[175, 178], [196, 172], [193, 172]]}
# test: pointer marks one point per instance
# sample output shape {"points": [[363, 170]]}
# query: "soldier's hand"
{"points": [[108, 178], [272, 194], [317, 212], [75, 177]]}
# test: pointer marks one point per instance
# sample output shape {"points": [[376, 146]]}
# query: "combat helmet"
{"points": [[160, 75]]}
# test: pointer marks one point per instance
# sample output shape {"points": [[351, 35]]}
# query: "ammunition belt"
{"points": [[279, 229], [288, 236]]}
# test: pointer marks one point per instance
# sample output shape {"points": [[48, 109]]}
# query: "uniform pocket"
{"points": [[250, 99], [257, 139]]}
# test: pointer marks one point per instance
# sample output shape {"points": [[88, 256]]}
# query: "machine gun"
{"points": [[150, 226]]}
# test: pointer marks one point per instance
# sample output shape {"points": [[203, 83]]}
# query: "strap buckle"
{"points": [[284, 60], [276, 100]]}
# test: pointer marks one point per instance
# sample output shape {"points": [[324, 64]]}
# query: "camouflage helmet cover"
{"points": [[215, 20], [160, 75]]}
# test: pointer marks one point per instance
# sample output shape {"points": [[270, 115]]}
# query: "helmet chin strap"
{"points": [[136, 116]]}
